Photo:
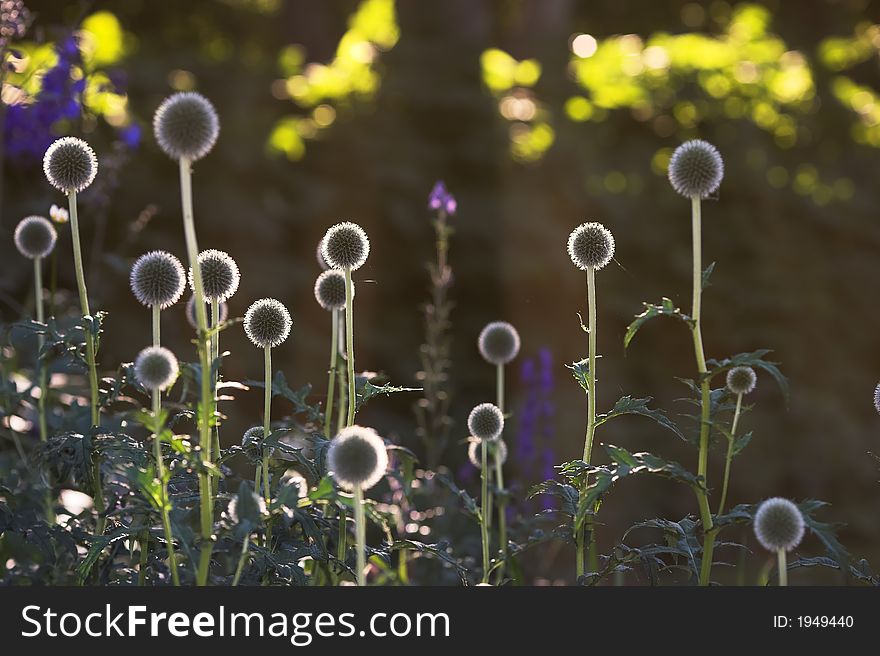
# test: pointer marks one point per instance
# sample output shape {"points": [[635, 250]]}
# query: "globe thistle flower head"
{"points": [[497, 452], [741, 380], [696, 169], [330, 289], [156, 368], [779, 524], [252, 440], [486, 421], [267, 323], [186, 126], [35, 236], [220, 275], [590, 245], [357, 458], [345, 246], [157, 278], [498, 342], [70, 164], [877, 398], [191, 313]]}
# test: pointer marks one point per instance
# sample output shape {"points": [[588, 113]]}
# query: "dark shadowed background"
{"points": [[538, 115]]}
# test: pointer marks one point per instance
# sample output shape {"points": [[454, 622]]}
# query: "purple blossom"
{"points": [[441, 200], [535, 430], [130, 135]]}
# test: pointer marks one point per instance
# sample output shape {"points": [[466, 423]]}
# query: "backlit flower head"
{"points": [[70, 164], [156, 368], [157, 278], [741, 380], [319, 255], [486, 421], [330, 289], [345, 246], [498, 342], [191, 312], [497, 450], [35, 236], [779, 524], [220, 276], [696, 169], [357, 458], [877, 398], [267, 323], [252, 440], [186, 126], [590, 245]]}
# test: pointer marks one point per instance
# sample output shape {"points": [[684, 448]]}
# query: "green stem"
{"points": [[342, 536], [206, 510], [592, 555], [341, 405], [782, 567], [100, 505], [331, 382], [241, 560], [349, 345], [702, 468], [267, 414], [41, 341], [484, 527], [215, 355], [360, 529], [499, 475], [730, 444]]}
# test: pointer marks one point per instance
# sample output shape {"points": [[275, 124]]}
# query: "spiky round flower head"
{"points": [[220, 276], [186, 126], [877, 398], [191, 312], [252, 440], [157, 278], [70, 164], [741, 380], [330, 289], [498, 342], [35, 236], [497, 451], [696, 169], [156, 368], [357, 458], [486, 421], [267, 323], [345, 246], [590, 245], [779, 524]]}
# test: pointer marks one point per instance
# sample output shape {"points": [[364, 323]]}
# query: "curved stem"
{"points": [[267, 414], [360, 530], [782, 567], [206, 510], [730, 444], [349, 346], [241, 560], [331, 382], [100, 505], [589, 525], [484, 526]]}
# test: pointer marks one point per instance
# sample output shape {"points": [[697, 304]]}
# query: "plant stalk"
{"points": [[484, 526], [730, 444], [331, 382], [499, 477], [360, 530], [267, 414], [349, 345], [589, 525], [41, 342], [241, 560], [215, 356], [782, 567]]}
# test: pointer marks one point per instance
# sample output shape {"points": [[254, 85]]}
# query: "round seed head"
{"points": [[345, 246], [35, 236], [779, 524], [267, 323], [70, 164], [330, 289], [696, 169], [497, 451], [590, 245], [191, 312], [741, 380], [498, 342], [156, 368], [357, 458], [157, 279], [877, 398], [220, 276], [486, 422], [252, 440], [186, 126]]}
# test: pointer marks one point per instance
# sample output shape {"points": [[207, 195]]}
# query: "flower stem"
{"points": [[215, 355], [730, 443], [206, 513], [499, 476], [100, 505], [349, 345], [702, 467], [331, 382], [41, 341], [484, 526], [267, 415], [783, 568], [592, 555], [241, 560], [360, 530], [342, 404]]}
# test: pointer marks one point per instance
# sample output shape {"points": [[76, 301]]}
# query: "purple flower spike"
{"points": [[441, 199]]}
